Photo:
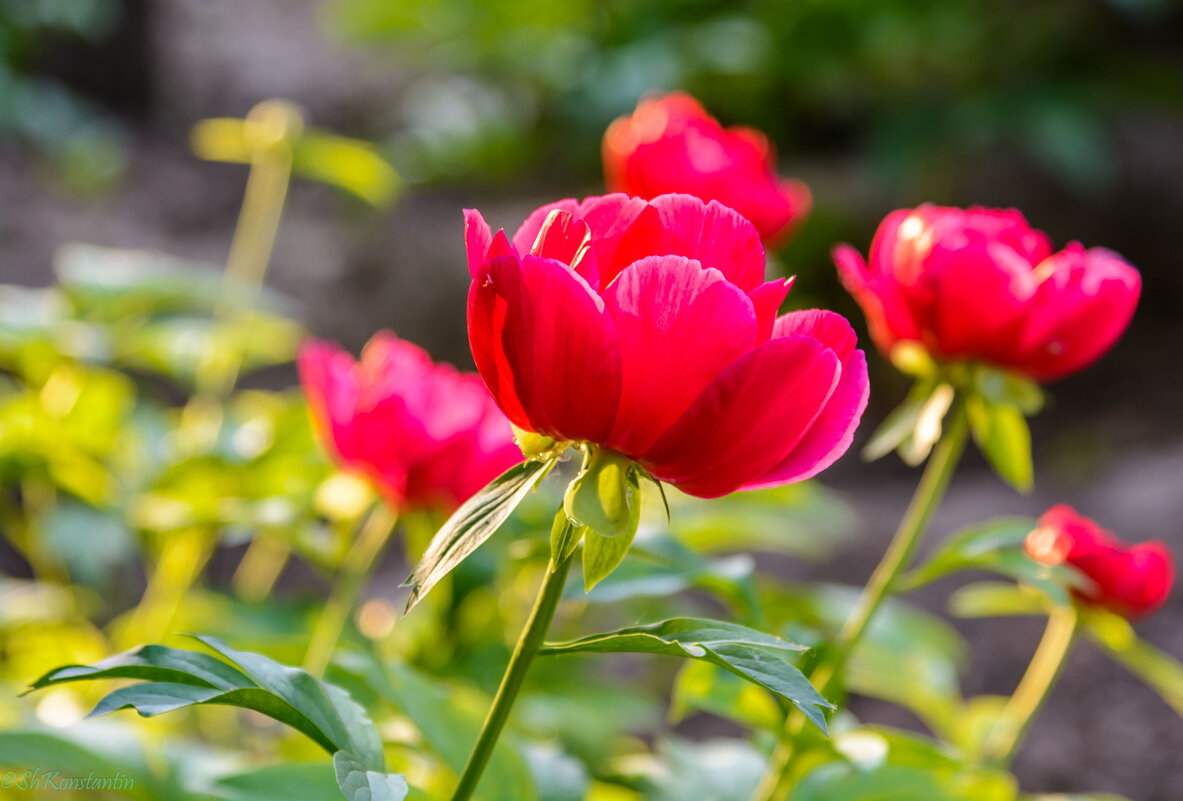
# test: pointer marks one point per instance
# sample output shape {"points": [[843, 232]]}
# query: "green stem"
{"points": [[515, 673], [261, 566], [183, 555], [358, 565], [276, 125], [899, 554], [778, 778], [1035, 686]]}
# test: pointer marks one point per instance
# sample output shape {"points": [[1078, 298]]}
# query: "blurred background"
{"points": [[1071, 110]]}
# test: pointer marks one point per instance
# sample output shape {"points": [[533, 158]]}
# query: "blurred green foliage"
{"points": [[911, 85], [76, 135]]}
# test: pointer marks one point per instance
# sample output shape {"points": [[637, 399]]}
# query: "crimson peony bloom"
{"points": [[982, 284], [647, 327], [426, 434], [671, 144], [1132, 580]]}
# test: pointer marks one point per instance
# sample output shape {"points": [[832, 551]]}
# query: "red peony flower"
{"points": [[647, 327], [671, 144], [982, 284], [426, 434], [1132, 580]]}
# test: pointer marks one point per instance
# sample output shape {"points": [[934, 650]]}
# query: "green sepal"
{"points": [[605, 495], [1005, 388], [1000, 431]]}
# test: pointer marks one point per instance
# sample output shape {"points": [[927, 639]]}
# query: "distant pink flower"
{"points": [[982, 284], [647, 327], [426, 434], [1132, 580], [671, 144]]}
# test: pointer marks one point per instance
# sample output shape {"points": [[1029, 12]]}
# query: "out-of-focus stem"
{"points": [[1035, 686], [183, 555], [529, 642], [260, 567], [274, 126], [777, 780], [358, 565]]}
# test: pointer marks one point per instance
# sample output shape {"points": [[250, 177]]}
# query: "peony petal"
{"points": [[748, 419], [557, 345], [715, 235], [832, 432], [1079, 310], [679, 325], [827, 327], [565, 239], [527, 233], [486, 326], [981, 288], [477, 239], [888, 317], [766, 299]]}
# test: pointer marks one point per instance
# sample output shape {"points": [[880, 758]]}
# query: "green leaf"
{"points": [[348, 164], [703, 687], [1002, 387], [741, 650], [361, 784], [605, 496], [449, 718], [473, 523], [1001, 431], [328, 707], [1160, 671], [176, 678], [995, 546], [899, 423], [153, 663], [996, 599]]}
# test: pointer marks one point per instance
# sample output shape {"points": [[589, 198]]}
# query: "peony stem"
{"points": [[778, 778], [261, 566], [1035, 686], [515, 673], [358, 564]]}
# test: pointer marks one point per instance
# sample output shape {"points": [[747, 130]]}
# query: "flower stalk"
{"points": [[355, 570], [528, 644], [777, 779], [1035, 686]]}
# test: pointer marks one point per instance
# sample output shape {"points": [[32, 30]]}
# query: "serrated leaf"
{"points": [[361, 784], [747, 653], [475, 521], [1002, 434]]}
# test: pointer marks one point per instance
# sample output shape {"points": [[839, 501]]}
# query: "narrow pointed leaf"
{"points": [[473, 523]]}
